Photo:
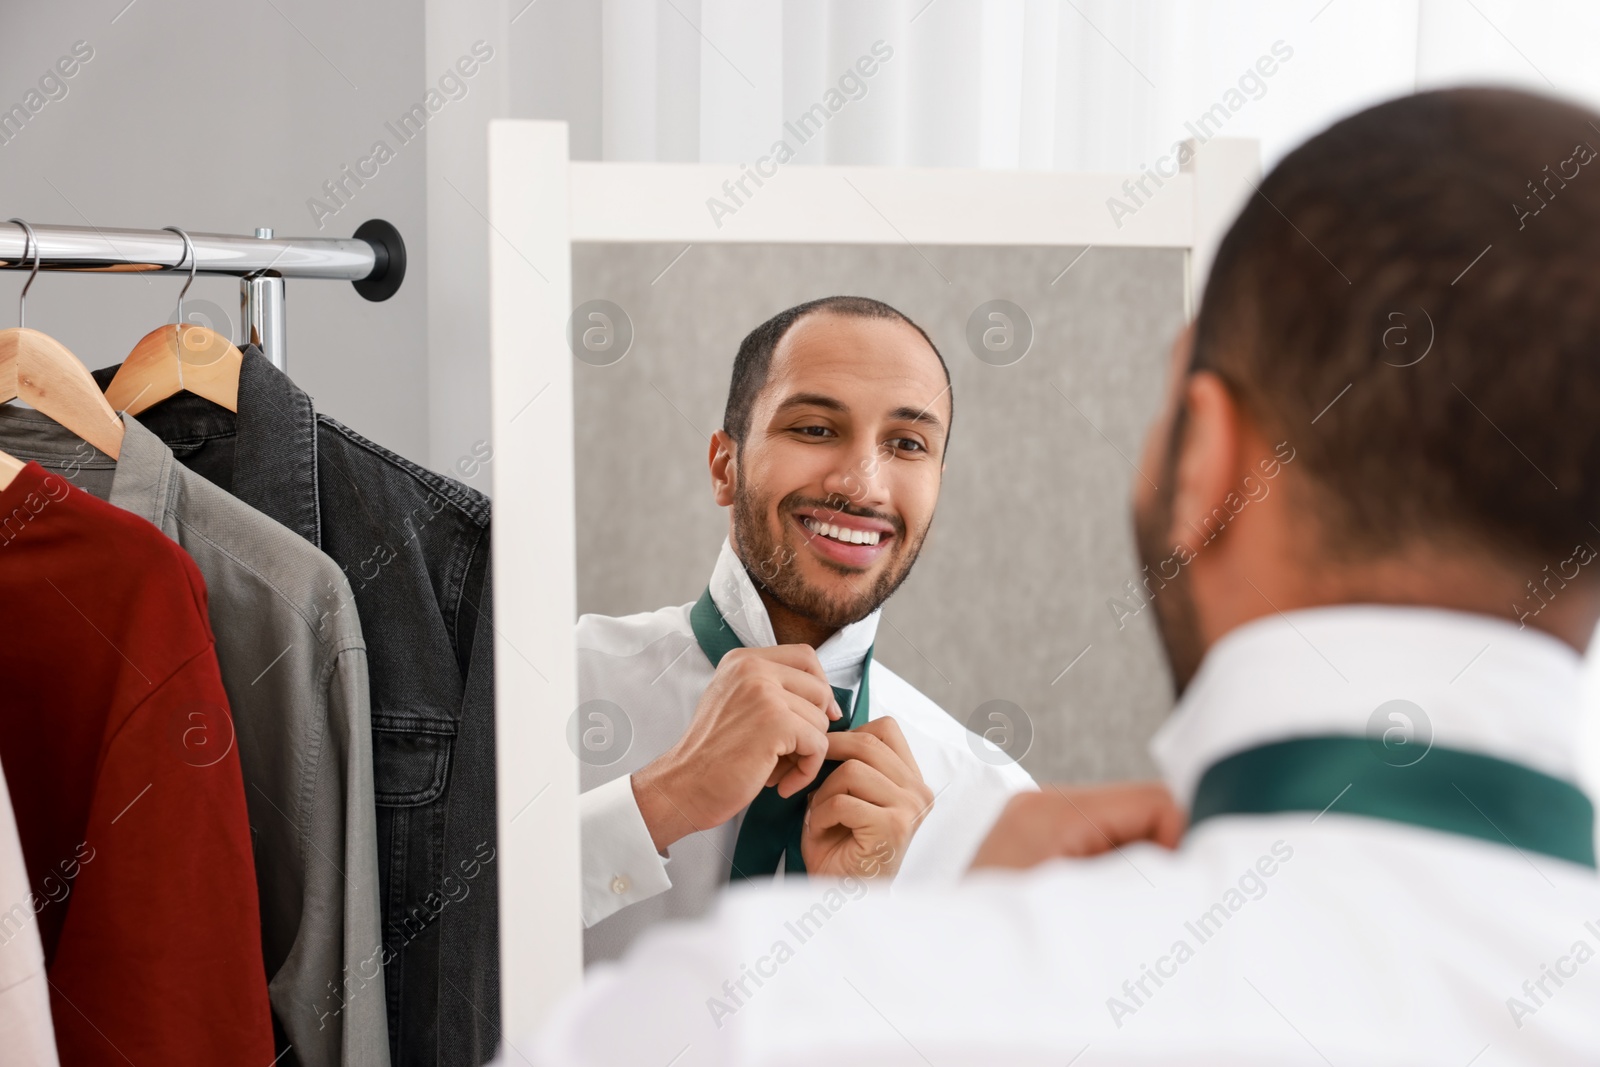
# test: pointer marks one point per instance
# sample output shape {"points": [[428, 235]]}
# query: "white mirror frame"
{"points": [[540, 204]]}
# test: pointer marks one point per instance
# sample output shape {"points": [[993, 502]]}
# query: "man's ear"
{"points": [[1208, 460], [724, 468]]}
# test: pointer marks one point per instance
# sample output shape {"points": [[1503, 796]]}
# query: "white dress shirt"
{"points": [[1288, 938], [639, 679]]}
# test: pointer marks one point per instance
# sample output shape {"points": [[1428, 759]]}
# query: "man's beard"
{"points": [[1176, 621], [771, 564]]}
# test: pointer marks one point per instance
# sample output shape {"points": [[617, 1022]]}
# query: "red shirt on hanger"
{"points": [[119, 751]]}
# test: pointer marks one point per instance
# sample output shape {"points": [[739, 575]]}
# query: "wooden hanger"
{"points": [[37, 368], [185, 357], [10, 467]]}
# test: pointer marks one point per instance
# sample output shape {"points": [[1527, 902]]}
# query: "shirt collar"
{"points": [[145, 482], [274, 436], [1483, 685], [735, 596], [143, 476], [275, 462]]}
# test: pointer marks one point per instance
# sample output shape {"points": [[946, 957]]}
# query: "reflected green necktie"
{"points": [[771, 828]]}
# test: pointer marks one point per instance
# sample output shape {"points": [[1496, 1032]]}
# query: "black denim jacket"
{"points": [[415, 547]]}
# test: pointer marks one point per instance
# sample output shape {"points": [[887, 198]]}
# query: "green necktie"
{"points": [[771, 828], [1448, 789]]}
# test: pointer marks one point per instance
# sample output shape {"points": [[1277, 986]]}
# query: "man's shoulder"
{"points": [[1126, 949], [628, 635], [893, 695], [959, 747]]}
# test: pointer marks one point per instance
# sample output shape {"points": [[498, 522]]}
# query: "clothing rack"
{"points": [[374, 260]]}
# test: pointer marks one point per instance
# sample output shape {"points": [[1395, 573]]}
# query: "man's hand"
{"points": [[1080, 821], [762, 721], [861, 818]]}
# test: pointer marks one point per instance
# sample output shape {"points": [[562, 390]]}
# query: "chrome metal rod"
{"points": [[262, 317], [78, 248]]}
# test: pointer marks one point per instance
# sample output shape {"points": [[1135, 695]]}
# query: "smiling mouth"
{"points": [[843, 534]]}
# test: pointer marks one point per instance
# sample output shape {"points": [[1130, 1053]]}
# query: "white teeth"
{"points": [[844, 534]]}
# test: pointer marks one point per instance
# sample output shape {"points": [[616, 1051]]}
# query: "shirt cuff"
{"points": [[620, 863]]}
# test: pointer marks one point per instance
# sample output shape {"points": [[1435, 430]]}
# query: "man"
{"points": [[766, 739], [1388, 860]]}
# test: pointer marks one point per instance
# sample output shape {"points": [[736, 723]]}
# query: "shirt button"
{"points": [[620, 884]]}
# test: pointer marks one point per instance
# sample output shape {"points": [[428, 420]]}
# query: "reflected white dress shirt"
{"points": [[639, 680], [1293, 937]]}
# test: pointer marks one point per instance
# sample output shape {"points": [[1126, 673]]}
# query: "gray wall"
{"points": [[225, 117], [1032, 535], [228, 116]]}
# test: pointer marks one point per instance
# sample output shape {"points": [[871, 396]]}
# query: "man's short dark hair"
{"points": [[1412, 300], [751, 365]]}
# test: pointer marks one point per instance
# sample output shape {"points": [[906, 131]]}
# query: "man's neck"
{"points": [[789, 628], [1425, 576]]}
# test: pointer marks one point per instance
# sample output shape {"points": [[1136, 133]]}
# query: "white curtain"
{"points": [[1049, 84]]}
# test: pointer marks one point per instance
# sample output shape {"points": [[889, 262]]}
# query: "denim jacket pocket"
{"points": [[410, 758]]}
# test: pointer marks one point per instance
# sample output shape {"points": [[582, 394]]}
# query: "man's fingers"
{"points": [[888, 731], [797, 778], [860, 780], [797, 657], [845, 810], [817, 693], [795, 667], [781, 768], [793, 768], [807, 745], [872, 750], [1170, 826], [1124, 814], [1079, 822], [1164, 821]]}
